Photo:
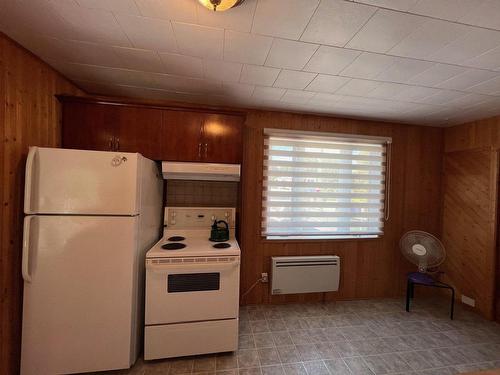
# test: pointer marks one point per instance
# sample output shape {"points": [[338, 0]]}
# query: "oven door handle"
{"points": [[192, 267]]}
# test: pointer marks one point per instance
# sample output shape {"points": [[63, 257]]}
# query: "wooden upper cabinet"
{"points": [[157, 133], [139, 129], [222, 138], [198, 136], [87, 126], [181, 135]]}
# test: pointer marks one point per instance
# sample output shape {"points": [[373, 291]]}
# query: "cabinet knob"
{"points": [[206, 150], [110, 144], [117, 144]]}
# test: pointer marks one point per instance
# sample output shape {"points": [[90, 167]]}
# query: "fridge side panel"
{"points": [[78, 298], [62, 181], [149, 232]]}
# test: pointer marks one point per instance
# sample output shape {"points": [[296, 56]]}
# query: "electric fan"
{"points": [[423, 249]]}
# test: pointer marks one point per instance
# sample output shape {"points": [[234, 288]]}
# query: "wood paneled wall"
{"points": [[370, 267], [29, 115], [470, 209]]}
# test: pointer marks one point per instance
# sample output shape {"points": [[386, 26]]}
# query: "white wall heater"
{"points": [[305, 274]]}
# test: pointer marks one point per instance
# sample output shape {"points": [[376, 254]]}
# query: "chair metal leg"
{"points": [[452, 303], [409, 287]]}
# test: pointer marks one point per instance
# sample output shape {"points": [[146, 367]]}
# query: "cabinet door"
{"points": [[222, 138], [138, 129], [87, 126], [181, 135]]}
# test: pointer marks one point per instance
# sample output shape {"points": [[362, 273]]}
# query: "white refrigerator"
{"points": [[90, 218]]}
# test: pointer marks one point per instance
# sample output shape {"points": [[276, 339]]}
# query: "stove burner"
{"points": [[222, 245], [176, 238], [173, 246]]}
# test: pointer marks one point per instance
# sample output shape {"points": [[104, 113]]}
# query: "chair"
{"points": [[420, 278]]}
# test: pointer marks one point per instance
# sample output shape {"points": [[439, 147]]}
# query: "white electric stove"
{"points": [[192, 286]]}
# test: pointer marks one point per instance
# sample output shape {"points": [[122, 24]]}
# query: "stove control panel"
{"points": [[198, 217]]}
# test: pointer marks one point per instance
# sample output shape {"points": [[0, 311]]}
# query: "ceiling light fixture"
{"points": [[220, 5]]}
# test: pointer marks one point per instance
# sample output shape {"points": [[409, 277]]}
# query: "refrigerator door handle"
{"points": [[26, 249], [28, 179]]}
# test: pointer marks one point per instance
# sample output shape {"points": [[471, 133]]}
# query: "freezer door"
{"points": [[61, 181], [80, 281]]}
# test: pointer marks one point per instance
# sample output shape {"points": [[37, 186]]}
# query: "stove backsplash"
{"points": [[181, 193]]}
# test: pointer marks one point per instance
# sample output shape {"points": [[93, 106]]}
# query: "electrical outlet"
{"points": [[264, 277]]}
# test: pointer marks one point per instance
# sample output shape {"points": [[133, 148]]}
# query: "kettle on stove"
{"points": [[219, 233]]}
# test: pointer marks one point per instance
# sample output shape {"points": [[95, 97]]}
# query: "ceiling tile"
{"points": [[443, 97], [468, 101], [38, 17], [201, 41], [92, 25], [403, 5], [268, 93], [148, 33], [292, 79], [368, 65], [445, 9], [324, 99], [182, 65], [416, 93], [139, 59], [115, 6], [186, 84], [404, 69], [183, 11], [467, 79], [386, 90], [436, 74], [487, 60], [283, 18], [358, 87], [290, 54], [491, 87], [330, 60], [336, 21], [472, 44], [487, 14], [222, 70], [326, 83], [384, 30], [297, 96], [71, 50], [238, 90], [238, 19], [246, 48], [429, 38], [259, 75]]}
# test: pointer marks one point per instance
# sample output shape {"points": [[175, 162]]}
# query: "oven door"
{"points": [[192, 289]]}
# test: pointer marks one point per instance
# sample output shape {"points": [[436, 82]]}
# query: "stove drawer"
{"points": [[185, 291], [177, 340]]}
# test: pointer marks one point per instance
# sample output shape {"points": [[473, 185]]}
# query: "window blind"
{"points": [[323, 185]]}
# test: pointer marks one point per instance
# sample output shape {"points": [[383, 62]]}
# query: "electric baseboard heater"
{"points": [[305, 274]]}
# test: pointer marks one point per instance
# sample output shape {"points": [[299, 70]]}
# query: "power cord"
{"points": [[253, 286]]}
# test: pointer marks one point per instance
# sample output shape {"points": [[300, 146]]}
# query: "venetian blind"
{"points": [[322, 185]]}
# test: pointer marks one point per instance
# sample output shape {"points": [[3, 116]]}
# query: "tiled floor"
{"points": [[359, 337]]}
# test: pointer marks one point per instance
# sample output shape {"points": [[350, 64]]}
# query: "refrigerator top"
{"points": [[78, 182]]}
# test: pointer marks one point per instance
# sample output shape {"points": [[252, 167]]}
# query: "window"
{"points": [[319, 185]]}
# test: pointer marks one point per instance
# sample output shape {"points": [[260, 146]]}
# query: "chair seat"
{"points": [[421, 278]]}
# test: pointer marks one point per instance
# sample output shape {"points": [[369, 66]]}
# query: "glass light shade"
{"points": [[220, 5]]}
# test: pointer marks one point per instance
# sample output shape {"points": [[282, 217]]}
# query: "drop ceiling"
{"points": [[427, 62]]}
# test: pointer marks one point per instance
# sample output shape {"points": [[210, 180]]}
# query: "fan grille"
{"points": [[423, 249]]}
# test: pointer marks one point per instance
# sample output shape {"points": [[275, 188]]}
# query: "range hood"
{"points": [[200, 171]]}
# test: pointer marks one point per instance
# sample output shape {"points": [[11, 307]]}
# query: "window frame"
{"points": [[345, 137]]}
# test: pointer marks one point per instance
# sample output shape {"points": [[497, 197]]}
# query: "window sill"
{"points": [[318, 240]]}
